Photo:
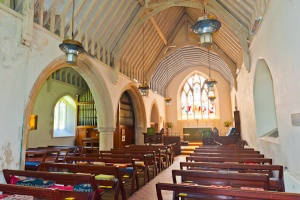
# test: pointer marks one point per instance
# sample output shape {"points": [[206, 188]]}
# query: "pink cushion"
{"points": [[62, 187], [249, 188], [13, 180]]}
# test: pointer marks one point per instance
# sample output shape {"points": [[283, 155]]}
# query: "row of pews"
{"points": [[65, 172], [219, 172]]}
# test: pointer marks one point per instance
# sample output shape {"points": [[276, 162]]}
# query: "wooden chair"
{"points": [[90, 145]]}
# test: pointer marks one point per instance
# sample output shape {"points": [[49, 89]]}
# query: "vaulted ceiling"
{"points": [[151, 39]]}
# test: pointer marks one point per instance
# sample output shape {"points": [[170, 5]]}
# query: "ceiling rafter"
{"points": [[68, 28], [100, 33], [87, 12], [52, 9], [63, 13]]}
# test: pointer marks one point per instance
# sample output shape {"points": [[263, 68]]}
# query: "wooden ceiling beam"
{"points": [[52, 9], [63, 14]]}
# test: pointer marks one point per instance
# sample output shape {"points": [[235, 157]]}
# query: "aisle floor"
{"points": [[148, 192]]}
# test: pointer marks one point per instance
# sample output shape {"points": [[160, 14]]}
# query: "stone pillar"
{"points": [[106, 138], [139, 137]]}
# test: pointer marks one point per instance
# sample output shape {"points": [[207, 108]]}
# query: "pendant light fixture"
{"points": [[70, 46], [205, 27], [144, 88], [210, 82]]}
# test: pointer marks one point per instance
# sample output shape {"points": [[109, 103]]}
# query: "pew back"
{"points": [[197, 191]]}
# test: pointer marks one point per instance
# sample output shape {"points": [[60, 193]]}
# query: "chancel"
{"points": [[83, 82]]}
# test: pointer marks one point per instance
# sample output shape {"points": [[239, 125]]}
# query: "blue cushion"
{"points": [[83, 188], [31, 163], [127, 169], [36, 183]]}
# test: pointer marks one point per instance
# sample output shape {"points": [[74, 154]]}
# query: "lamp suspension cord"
{"points": [[208, 55], [73, 20], [143, 54]]}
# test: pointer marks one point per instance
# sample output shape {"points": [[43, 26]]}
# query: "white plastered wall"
{"points": [[13, 73], [277, 42]]}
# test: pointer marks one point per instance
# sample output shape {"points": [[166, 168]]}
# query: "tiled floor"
{"points": [[148, 192]]}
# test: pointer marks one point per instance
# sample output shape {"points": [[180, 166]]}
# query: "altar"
{"points": [[195, 134]]}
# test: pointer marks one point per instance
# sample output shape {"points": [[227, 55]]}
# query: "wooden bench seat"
{"points": [[43, 193], [115, 183], [127, 166], [230, 159], [152, 161], [141, 160], [59, 178], [229, 154], [234, 180], [276, 181], [204, 192], [226, 151], [223, 147]]}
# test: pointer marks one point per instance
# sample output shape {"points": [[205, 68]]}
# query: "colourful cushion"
{"points": [[36, 183], [105, 177], [120, 165], [249, 188], [127, 169], [13, 179], [62, 187], [99, 163], [83, 188], [139, 163]]}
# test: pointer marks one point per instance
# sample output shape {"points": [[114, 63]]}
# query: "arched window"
{"points": [[194, 99], [60, 115], [64, 117]]}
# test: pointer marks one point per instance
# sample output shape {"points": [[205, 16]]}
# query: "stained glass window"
{"points": [[194, 99]]}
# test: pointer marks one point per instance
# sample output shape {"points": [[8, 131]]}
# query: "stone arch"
{"points": [[139, 110], [93, 77], [264, 101]]}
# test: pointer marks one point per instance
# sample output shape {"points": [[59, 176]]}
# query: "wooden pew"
{"points": [[231, 159], [223, 147], [153, 156], [204, 192], [163, 151], [276, 182], [59, 178], [209, 178], [225, 151], [43, 193], [227, 154], [141, 160], [129, 170], [91, 169]]}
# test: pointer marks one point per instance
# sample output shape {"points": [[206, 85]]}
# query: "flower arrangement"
{"points": [[227, 123], [169, 125]]}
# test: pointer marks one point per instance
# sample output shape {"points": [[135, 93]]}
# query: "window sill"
{"points": [[62, 133]]}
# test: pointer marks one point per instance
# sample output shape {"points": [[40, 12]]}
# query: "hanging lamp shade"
{"points": [[168, 101], [210, 88], [144, 88], [205, 27], [72, 48]]}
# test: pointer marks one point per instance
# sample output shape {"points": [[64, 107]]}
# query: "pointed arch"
{"points": [[264, 101], [93, 77]]}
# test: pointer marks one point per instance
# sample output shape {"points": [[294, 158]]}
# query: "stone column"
{"points": [[106, 138]]}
